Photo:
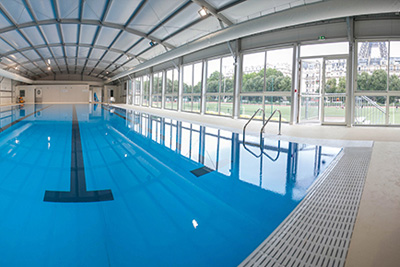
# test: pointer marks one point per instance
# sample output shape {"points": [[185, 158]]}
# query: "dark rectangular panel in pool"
{"points": [[183, 194]]}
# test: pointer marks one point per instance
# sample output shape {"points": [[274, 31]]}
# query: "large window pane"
{"points": [[212, 104], [146, 90], [278, 74], [394, 67], [213, 75], [372, 66], [334, 108], [370, 110], [253, 72], [341, 48], [394, 110], [309, 108], [228, 72], [187, 79], [197, 74], [249, 105], [278, 102], [187, 103], [226, 108]]}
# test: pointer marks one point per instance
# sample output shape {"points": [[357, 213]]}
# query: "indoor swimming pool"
{"points": [[96, 185]]}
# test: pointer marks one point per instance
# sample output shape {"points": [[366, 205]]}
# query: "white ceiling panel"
{"points": [[69, 9], [93, 9], [16, 9], [70, 32], [187, 16], [83, 52], [111, 56], [106, 36], [60, 62], [57, 51], [97, 53], [202, 28], [51, 34], [122, 60], [29, 66], [155, 51], [3, 21], [71, 61], [91, 63], [18, 57], [45, 52], [71, 51], [81, 62], [132, 63], [251, 9], [102, 65], [121, 10], [41, 64], [217, 4], [144, 44], [87, 33], [7, 61], [43, 9], [33, 35], [15, 39], [125, 41], [4, 47], [32, 55], [153, 13]]}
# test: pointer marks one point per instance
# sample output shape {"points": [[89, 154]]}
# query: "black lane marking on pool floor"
{"points": [[201, 171], [20, 119], [78, 192]]}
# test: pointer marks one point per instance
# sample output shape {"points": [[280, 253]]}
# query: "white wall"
{"points": [[6, 96], [57, 93]]}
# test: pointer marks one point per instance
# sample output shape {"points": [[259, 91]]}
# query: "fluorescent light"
{"points": [[48, 61], [203, 12]]}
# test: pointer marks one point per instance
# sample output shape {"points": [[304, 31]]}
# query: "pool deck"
{"points": [[376, 235]]}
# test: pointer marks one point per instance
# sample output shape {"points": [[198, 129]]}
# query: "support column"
{"points": [[238, 80], [351, 73]]}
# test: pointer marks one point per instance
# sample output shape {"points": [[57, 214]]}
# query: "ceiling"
{"points": [[102, 38]]}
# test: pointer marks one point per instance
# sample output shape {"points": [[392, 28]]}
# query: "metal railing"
{"points": [[270, 117], [261, 134]]}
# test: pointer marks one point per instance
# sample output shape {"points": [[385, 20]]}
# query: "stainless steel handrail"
{"points": [[265, 123], [252, 117]]}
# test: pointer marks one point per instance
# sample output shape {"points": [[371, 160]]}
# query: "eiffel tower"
{"points": [[365, 52]]}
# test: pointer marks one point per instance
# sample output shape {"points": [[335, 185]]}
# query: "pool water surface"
{"points": [[94, 185]]}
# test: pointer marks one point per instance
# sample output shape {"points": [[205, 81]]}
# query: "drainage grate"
{"points": [[318, 231], [201, 171]]}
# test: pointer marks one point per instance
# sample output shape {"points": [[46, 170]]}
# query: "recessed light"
{"points": [[203, 12]]}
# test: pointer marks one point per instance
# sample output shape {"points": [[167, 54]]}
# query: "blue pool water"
{"points": [[90, 185]]}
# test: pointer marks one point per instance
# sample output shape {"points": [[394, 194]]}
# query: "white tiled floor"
{"points": [[376, 237]]}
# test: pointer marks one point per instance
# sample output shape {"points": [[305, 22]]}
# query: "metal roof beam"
{"points": [[213, 11], [60, 33]]}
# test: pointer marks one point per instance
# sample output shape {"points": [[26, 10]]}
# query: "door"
{"points": [[310, 90], [334, 91]]}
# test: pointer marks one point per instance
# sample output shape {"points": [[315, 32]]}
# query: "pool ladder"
{"points": [[265, 122]]}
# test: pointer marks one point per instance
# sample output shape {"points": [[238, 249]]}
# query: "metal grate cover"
{"points": [[318, 231]]}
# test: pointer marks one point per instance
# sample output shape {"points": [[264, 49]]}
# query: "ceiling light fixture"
{"points": [[48, 61], [152, 43], [203, 12], [49, 68], [16, 68]]}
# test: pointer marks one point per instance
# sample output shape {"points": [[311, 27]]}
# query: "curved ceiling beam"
{"points": [[60, 58], [84, 22], [66, 44]]}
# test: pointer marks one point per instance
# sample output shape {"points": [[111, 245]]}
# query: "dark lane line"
{"points": [[78, 192], [20, 119]]}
